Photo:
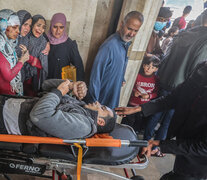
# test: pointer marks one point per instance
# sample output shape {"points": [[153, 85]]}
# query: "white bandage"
{"points": [[13, 20]]}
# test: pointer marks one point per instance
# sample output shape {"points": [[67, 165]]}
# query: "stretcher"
{"points": [[36, 156]]}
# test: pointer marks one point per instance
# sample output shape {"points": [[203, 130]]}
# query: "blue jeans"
{"points": [[165, 118]]}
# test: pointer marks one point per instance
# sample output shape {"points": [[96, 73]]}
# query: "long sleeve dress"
{"points": [[64, 54]]}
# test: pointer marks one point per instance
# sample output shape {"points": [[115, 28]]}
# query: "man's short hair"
{"points": [[134, 14], [154, 60], [165, 12], [109, 124], [187, 9]]}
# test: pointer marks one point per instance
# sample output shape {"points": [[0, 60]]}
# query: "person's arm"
{"points": [[44, 71], [77, 61], [44, 62], [190, 147], [78, 88], [149, 54], [52, 120], [47, 48], [50, 84], [149, 108], [150, 46], [123, 111], [6, 72], [35, 62], [97, 73], [28, 71], [188, 89], [165, 102], [157, 49]]}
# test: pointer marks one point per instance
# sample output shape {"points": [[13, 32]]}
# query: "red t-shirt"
{"points": [[182, 23], [145, 85], [7, 74]]}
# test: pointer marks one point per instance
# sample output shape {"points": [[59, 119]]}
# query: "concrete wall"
{"points": [[80, 14]]}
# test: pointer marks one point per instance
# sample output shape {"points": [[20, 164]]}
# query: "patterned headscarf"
{"points": [[57, 18], [7, 46]]}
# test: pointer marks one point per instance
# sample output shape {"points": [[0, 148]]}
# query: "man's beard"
{"points": [[125, 37]]}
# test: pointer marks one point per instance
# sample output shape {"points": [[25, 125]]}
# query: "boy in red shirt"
{"points": [[180, 22], [145, 89]]}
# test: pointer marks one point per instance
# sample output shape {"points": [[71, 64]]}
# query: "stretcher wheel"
{"points": [[137, 178]]}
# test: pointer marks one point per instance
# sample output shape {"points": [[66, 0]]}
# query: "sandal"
{"points": [[158, 153]]}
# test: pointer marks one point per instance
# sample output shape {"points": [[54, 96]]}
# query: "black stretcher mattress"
{"points": [[94, 155]]}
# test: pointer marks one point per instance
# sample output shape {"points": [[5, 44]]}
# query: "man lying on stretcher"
{"points": [[56, 113]]}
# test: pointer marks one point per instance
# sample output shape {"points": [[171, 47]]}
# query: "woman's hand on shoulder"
{"points": [[47, 49]]}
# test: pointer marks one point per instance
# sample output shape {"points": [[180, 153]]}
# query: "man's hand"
{"points": [[148, 150], [136, 93], [123, 111], [64, 87], [79, 89]]}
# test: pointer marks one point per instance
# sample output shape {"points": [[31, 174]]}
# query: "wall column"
{"points": [[150, 9]]}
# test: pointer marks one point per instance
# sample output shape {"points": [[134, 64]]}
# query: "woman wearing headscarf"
{"points": [[25, 22], [28, 69], [63, 51], [10, 65], [25, 27], [36, 43]]}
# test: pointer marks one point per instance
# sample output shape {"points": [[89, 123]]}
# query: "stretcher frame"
{"points": [[68, 168], [62, 169]]}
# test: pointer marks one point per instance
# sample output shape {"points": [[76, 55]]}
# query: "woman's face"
{"points": [[12, 32], [26, 27], [57, 30], [39, 28]]}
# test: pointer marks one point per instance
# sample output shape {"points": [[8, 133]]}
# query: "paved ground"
{"points": [[156, 168]]}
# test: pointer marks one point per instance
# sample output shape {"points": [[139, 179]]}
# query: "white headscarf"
{"points": [[7, 46]]}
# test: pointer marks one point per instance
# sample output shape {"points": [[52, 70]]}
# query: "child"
{"points": [[145, 89], [169, 37]]}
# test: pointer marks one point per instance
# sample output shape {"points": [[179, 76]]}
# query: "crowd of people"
{"points": [[180, 100], [26, 50], [170, 88]]}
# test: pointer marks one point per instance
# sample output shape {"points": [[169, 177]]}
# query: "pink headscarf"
{"points": [[57, 18]]}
